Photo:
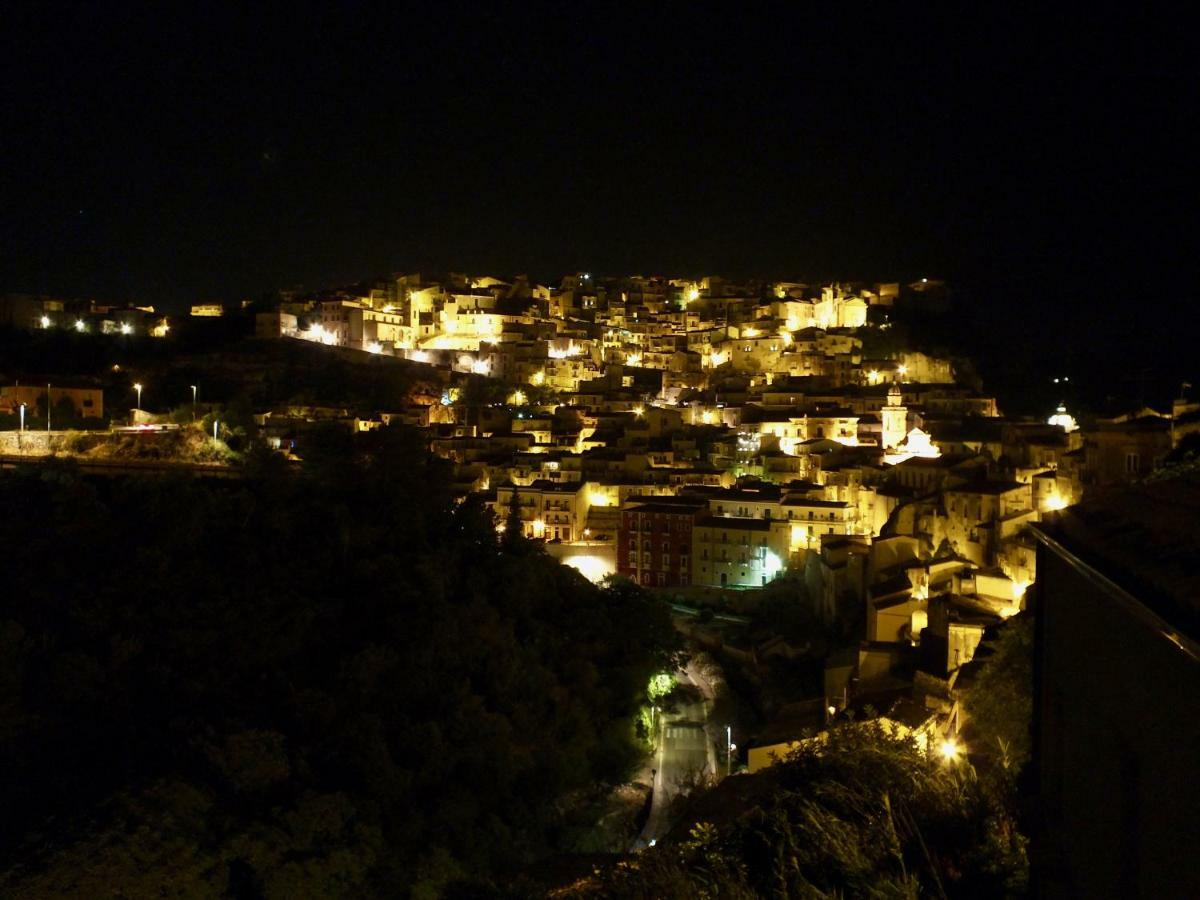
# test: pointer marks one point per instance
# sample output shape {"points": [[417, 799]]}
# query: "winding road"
{"points": [[685, 749]]}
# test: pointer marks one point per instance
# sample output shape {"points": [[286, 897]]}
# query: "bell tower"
{"points": [[895, 419]]}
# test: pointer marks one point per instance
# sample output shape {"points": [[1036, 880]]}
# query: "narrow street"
{"points": [[685, 750]]}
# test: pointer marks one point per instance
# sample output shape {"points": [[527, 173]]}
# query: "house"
{"points": [[735, 552], [87, 402], [655, 540]]}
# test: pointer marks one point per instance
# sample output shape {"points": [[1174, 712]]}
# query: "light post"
{"points": [[215, 424], [728, 749], [950, 750], [22, 416], [193, 403], [138, 387], [47, 407]]}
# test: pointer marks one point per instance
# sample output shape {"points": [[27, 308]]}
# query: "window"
{"points": [[1132, 461]]}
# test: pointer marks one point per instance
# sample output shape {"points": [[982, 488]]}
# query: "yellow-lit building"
{"points": [[549, 510], [746, 553]]}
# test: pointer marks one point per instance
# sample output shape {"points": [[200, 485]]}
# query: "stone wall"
{"points": [[31, 443]]}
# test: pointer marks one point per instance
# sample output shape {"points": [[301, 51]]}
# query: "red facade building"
{"points": [[654, 541]]}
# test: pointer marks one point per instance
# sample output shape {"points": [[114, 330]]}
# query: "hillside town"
{"points": [[835, 518], [707, 439]]}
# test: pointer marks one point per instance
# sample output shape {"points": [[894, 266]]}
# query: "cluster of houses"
{"points": [[705, 436], [699, 435], [34, 312]]}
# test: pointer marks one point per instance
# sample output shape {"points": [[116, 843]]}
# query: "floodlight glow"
{"points": [[950, 750]]}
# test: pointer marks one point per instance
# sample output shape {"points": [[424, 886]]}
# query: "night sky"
{"points": [[1045, 165]]}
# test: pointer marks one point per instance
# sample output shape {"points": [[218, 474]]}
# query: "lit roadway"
{"points": [[685, 749]]}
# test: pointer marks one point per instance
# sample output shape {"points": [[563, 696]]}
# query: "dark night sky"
{"points": [[1046, 161]]}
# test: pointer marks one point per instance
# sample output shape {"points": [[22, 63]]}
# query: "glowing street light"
{"points": [[138, 387], [45, 321], [22, 416], [902, 370], [950, 750], [126, 328], [80, 325], [193, 387], [729, 748]]}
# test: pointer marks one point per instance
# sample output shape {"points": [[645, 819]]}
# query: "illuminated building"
{"points": [[895, 419], [551, 511], [654, 543], [88, 402], [208, 310], [736, 552]]}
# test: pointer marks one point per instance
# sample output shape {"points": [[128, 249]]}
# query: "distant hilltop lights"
{"points": [[103, 321]]}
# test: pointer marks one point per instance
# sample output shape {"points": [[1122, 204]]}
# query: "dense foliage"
{"points": [[999, 703], [319, 683], [861, 814]]}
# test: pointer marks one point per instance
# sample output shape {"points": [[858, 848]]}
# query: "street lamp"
{"points": [[138, 387], [22, 416], [728, 749], [950, 750], [47, 406], [193, 403]]}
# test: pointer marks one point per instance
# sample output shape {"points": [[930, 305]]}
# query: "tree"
{"points": [[860, 813], [327, 676], [999, 704], [514, 540]]}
